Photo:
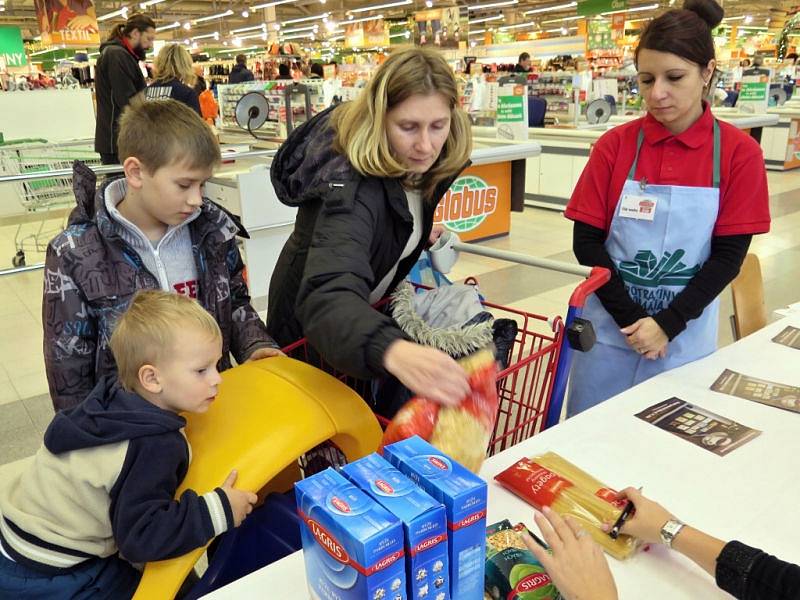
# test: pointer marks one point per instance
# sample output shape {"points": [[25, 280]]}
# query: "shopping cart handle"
{"points": [[598, 277]]}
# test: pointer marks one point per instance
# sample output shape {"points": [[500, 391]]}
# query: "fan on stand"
{"points": [[252, 111], [598, 111]]}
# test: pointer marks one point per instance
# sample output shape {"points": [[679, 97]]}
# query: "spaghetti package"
{"points": [[549, 480], [512, 571], [463, 431]]}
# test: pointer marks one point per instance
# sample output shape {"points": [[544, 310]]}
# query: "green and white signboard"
{"points": [[512, 112], [754, 93], [12, 51]]}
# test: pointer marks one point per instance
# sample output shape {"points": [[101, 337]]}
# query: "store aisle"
{"points": [[25, 408]]}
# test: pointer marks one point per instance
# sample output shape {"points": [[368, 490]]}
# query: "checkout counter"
{"points": [[477, 206], [551, 177]]}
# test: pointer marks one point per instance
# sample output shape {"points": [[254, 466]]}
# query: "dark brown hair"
{"points": [[137, 22], [685, 32]]}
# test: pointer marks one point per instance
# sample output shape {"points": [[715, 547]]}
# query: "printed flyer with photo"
{"points": [[759, 390], [698, 426], [788, 337]]}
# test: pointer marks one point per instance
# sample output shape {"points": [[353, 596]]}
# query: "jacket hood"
{"points": [[108, 415], [306, 163], [114, 42]]}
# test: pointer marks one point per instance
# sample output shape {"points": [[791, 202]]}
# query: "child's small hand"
{"points": [[241, 501], [264, 353]]}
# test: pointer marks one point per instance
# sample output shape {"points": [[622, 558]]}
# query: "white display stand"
{"points": [[738, 496], [54, 115]]}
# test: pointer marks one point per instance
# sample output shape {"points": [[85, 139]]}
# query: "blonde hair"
{"points": [[361, 125], [166, 132], [174, 62], [147, 331]]}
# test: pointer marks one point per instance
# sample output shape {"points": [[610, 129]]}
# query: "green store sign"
{"points": [[587, 8], [12, 51]]}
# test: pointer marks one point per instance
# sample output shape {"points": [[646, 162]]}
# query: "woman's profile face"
{"points": [[417, 129], [671, 86]]}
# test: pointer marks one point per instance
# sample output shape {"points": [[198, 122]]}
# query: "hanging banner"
{"points": [[587, 8], [374, 32], [444, 27], [617, 27], [599, 36], [68, 22], [12, 50]]}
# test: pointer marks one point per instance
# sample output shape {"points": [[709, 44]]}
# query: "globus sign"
{"points": [[477, 205]]}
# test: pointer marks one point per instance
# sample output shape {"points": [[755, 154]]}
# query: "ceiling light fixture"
{"points": [[484, 19], [517, 26], [351, 19], [147, 3], [269, 4], [168, 27], [302, 19], [245, 14], [493, 5], [562, 19], [122, 12], [477, 32], [187, 26], [628, 10], [550, 8], [251, 28], [380, 6], [221, 15], [205, 36]]}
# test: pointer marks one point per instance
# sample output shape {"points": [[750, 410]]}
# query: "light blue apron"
{"points": [[656, 259]]}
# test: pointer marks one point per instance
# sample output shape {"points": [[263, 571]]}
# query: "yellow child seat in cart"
{"points": [[268, 413]]}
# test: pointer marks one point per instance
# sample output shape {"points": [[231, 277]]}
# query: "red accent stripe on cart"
{"points": [[466, 522], [428, 544], [335, 549]]}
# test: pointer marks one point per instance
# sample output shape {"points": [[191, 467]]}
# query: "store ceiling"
{"points": [[21, 12]]}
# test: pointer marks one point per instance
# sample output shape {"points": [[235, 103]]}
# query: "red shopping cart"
{"points": [[531, 388]]}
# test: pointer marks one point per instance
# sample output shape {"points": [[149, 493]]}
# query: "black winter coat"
{"points": [[349, 233], [240, 74], [117, 79]]}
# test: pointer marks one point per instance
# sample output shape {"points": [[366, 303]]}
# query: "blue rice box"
{"points": [[424, 523], [352, 546], [464, 497]]}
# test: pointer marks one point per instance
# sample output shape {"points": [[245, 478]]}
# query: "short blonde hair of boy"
{"points": [[361, 124], [174, 62], [166, 132], [146, 333]]}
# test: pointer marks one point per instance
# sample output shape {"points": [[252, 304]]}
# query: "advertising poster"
{"points": [[617, 27], [12, 50], [788, 337], [478, 204], [754, 93], [599, 37], [758, 390], [512, 112], [69, 22], [444, 27], [699, 426], [366, 34]]}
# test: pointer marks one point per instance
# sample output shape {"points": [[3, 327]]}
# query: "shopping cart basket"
{"points": [[42, 195], [530, 390]]}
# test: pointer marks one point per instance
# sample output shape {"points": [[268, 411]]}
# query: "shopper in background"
{"points": [[366, 177], [103, 483], [284, 72], [316, 71], [174, 75], [118, 78], [240, 73], [579, 569], [523, 64], [200, 81], [669, 203], [151, 229], [209, 109]]}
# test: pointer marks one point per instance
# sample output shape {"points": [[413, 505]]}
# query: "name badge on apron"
{"points": [[638, 207]]}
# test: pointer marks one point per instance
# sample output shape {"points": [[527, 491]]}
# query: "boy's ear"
{"points": [[149, 379], [133, 171]]}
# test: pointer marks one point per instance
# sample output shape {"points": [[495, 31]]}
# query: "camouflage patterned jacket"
{"points": [[91, 275]]}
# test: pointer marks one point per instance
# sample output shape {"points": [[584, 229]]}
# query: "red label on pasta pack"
{"points": [[610, 496], [533, 483]]}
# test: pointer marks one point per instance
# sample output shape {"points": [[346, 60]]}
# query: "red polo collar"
{"points": [[694, 137]]}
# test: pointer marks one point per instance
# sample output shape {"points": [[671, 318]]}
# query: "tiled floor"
{"points": [[25, 408]]}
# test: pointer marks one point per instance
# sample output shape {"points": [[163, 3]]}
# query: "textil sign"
{"points": [[12, 51]]}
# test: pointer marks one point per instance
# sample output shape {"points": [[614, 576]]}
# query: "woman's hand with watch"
{"points": [[648, 520]]}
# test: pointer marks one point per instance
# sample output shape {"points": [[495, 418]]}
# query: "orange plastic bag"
{"points": [[462, 432]]}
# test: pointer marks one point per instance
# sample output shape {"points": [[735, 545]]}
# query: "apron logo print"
{"points": [[645, 270]]}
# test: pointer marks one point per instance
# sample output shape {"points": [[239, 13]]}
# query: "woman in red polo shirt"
{"points": [[669, 203]]}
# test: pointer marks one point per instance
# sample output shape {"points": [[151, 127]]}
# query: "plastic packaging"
{"points": [[462, 432], [549, 480]]}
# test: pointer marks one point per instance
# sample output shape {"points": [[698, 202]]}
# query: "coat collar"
{"points": [[698, 134]]}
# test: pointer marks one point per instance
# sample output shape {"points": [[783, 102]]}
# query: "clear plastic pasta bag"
{"points": [[461, 432], [549, 480]]}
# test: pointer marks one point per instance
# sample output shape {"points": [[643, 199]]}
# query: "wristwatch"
{"points": [[670, 531]]}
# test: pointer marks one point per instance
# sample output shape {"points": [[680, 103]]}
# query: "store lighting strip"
{"points": [[561, 30], [144, 5], [380, 6], [269, 4], [299, 36], [221, 15], [406, 34], [477, 32], [753, 28], [550, 8], [43, 51], [262, 27], [299, 29], [485, 19], [493, 5], [562, 19], [362, 19], [206, 36], [122, 12], [252, 36], [518, 25], [335, 38], [240, 50], [629, 10], [168, 27], [739, 18], [302, 19]]}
